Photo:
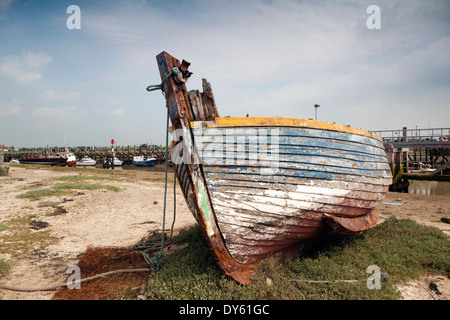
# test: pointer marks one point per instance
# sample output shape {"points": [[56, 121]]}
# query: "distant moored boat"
{"points": [[144, 161], [44, 159], [86, 161]]}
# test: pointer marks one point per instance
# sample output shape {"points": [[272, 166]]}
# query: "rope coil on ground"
{"points": [[60, 285]]}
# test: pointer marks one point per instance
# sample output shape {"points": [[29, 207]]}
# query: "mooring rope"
{"points": [[158, 257], [60, 285], [157, 260], [155, 87]]}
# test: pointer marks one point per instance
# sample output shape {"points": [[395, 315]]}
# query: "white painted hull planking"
{"points": [[319, 174]]}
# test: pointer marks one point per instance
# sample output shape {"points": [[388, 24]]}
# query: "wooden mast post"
{"points": [[181, 113]]}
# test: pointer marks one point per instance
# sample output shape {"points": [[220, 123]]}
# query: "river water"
{"points": [[440, 188]]}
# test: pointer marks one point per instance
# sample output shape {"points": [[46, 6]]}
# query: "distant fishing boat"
{"points": [[62, 159], [71, 160], [117, 161], [86, 161], [144, 161], [264, 186], [44, 160], [422, 168]]}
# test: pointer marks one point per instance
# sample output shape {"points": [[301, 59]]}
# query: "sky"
{"points": [[374, 70]]}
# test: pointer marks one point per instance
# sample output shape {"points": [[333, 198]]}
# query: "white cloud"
{"points": [[10, 108], [51, 95], [24, 68], [4, 7], [55, 112], [369, 96], [118, 111]]}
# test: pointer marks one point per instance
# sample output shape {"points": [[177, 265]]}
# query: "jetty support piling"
{"points": [[124, 153], [418, 147]]}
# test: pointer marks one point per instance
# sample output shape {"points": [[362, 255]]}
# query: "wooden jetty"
{"points": [[100, 154], [413, 148]]}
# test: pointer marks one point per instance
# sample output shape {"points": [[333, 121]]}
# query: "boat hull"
{"points": [[68, 164], [144, 163], [43, 160], [281, 185], [86, 163]]}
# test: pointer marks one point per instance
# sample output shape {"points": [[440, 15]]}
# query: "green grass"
{"points": [[47, 204], [77, 178], [39, 194], [85, 186], [4, 267], [20, 238], [62, 189], [401, 248], [3, 172]]}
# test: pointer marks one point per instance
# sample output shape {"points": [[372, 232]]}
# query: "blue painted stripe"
{"points": [[305, 162], [295, 154], [285, 143], [292, 150], [300, 153], [308, 171], [301, 133]]}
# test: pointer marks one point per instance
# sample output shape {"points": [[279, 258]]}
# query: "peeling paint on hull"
{"points": [[320, 175]]}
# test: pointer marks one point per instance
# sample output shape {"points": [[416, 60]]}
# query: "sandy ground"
{"points": [[107, 218], [427, 210], [93, 218]]}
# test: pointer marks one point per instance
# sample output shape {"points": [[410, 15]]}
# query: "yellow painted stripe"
{"points": [[283, 122]]}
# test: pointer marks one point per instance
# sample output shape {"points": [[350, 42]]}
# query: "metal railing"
{"points": [[415, 135]]}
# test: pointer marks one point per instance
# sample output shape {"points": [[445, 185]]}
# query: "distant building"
{"points": [[5, 148]]}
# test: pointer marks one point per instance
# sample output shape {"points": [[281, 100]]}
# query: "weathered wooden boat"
{"points": [[266, 186]]}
